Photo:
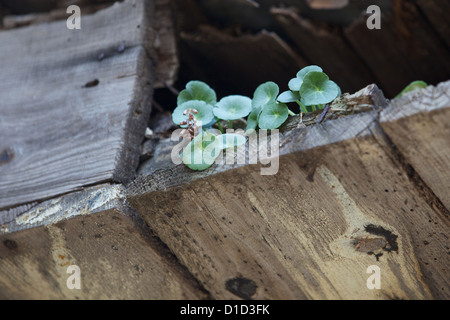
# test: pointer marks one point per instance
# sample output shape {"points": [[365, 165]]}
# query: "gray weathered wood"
{"points": [[165, 45], [74, 103], [418, 124], [17, 21]]}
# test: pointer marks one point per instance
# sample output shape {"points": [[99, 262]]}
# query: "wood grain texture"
{"points": [[326, 48], [244, 56], [418, 125], [90, 200], [115, 260], [436, 13], [96, 230], [340, 203], [18, 21], [400, 51], [166, 55], [74, 102], [165, 45]]}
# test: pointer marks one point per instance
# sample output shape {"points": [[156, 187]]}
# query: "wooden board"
{"points": [[74, 103], [325, 48], [341, 202], [418, 125], [243, 56], [17, 21], [165, 45], [436, 13], [95, 230], [400, 51]]}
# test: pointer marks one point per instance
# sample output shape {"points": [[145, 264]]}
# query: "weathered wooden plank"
{"points": [[74, 103], [164, 45], [418, 125], [96, 231], [17, 21], [325, 48], [340, 203], [400, 51], [436, 13], [166, 64], [243, 56]]}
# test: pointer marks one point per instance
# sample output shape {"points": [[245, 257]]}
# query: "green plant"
{"points": [[415, 85], [197, 90], [205, 147], [197, 107], [232, 108], [204, 113], [311, 89], [267, 112]]}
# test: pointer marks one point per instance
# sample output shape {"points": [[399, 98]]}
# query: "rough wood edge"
{"points": [[433, 97], [137, 119], [88, 201]]}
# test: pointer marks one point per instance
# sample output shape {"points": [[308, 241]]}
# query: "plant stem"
{"points": [[220, 126], [302, 107], [291, 113], [230, 124]]}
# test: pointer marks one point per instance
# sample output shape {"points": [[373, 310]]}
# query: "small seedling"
{"points": [[232, 108], [415, 85], [267, 112], [204, 149], [311, 89], [197, 90]]}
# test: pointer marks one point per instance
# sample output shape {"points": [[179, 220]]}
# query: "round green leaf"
{"points": [[295, 83], [233, 107], [415, 85], [231, 140], [302, 73], [197, 90], [202, 151], [204, 115], [288, 96], [273, 116], [264, 94], [252, 120], [317, 89]]}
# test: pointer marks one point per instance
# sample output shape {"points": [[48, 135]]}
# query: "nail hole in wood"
{"points": [[91, 84]]}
